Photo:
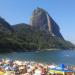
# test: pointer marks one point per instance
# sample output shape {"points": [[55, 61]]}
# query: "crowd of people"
{"points": [[16, 67]]}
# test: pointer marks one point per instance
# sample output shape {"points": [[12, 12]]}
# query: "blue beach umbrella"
{"points": [[62, 66]]}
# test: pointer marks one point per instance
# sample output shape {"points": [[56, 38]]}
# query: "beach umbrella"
{"points": [[51, 66], [62, 66]]}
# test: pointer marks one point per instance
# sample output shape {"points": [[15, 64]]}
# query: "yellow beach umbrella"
{"points": [[1, 73]]}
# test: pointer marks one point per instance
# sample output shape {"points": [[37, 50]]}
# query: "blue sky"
{"points": [[62, 11]]}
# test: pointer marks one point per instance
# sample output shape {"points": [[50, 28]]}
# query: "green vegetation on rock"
{"points": [[37, 36]]}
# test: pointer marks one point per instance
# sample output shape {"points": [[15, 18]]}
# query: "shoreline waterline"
{"points": [[52, 56]]}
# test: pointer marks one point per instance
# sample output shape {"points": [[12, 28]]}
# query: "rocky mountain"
{"points": [[42, 33], [41, 20]]}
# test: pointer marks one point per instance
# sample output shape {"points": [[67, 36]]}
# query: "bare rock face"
{"points": [[41, 20]]}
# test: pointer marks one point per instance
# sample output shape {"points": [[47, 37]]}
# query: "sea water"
{"points": [[49, 57]]}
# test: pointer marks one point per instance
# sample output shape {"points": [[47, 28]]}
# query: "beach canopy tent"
{"points": [[58, 70]]}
